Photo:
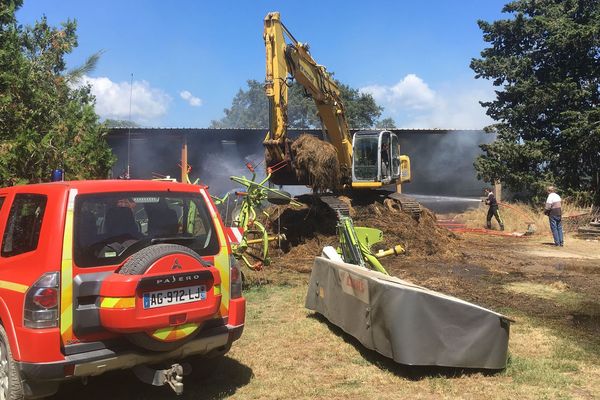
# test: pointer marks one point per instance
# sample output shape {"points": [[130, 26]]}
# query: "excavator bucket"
{"points": [[405, 322]]}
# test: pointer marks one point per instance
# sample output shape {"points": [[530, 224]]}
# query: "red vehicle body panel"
{"points": [[131, 319], [20, 272]]}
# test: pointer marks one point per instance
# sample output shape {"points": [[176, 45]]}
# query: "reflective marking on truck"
{"points": [[15, 287], [234, 234], [66, 275], [222, 264], [171, 333], [221, 260], [117, 302]]}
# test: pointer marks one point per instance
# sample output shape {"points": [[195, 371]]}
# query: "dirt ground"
{"points": [[311, 227], [485, 269], [506, 273], [559, 285]]}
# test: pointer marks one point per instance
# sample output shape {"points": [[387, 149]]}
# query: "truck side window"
{"points": [[1, 201], [24, 224]]}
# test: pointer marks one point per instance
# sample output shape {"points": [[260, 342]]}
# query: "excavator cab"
{"points": [[377, 161]]}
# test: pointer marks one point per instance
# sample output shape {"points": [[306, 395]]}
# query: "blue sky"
{"points": [[189, 58]]}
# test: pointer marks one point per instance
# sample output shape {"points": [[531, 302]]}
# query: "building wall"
{"points": [[441, 160]]}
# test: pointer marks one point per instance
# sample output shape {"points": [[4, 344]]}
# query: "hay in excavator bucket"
{"points": [[315, 161]]}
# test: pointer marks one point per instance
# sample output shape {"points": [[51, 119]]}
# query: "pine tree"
{"points": [[545, 62]]}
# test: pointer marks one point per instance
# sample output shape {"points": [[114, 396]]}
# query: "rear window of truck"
{"points": [[108, 228], [22, 231]]}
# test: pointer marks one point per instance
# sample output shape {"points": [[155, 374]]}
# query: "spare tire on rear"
{"points": [[138, 264]]}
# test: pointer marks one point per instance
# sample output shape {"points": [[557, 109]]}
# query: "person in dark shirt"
{"points": [[385, 160], [491, 201]]}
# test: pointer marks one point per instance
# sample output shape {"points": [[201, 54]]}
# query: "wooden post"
{"points": [[184, 160]]}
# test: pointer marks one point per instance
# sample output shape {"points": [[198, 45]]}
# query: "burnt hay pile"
{"points": [[311, 227], [315, 161]]}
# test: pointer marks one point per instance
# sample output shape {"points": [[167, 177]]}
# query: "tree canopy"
{"points": [[47, 120], [545, 62], [120, 123], [249, 109]]}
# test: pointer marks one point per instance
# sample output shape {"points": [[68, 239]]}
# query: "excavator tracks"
{"points": [[340, 208], [407, 204]]}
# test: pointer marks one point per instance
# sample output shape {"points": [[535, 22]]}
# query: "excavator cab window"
{"points": [[395, 160], [385, 152], [366, 157]]}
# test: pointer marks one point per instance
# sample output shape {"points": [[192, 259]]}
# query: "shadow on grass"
{"points": [[228, 376], [578, 322], [412, 372]]}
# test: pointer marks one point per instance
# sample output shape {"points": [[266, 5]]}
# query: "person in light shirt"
{"points": [[553, 211]]}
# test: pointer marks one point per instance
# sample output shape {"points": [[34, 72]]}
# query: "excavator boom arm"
{"points": [[285, 61], [276, 78]]}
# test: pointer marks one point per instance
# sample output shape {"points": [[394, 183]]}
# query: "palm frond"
{"points": [[88, 66]]}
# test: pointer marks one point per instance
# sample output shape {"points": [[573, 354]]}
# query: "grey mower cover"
{"points": [[408, 323]]}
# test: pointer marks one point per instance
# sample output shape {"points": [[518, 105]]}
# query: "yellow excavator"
{"points": [[369, 160]]}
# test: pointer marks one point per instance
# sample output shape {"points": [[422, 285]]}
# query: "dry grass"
{"points": [[288, 353], [294, 355], [517, 217], [558, 292]]}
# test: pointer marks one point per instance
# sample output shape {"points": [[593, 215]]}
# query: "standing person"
{"points": [[385, 160], [493, 210], [553, 211]]}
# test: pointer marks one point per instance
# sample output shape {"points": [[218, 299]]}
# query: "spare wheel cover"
{"points": [[169, 337]]}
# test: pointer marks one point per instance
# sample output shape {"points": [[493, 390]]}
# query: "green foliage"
{"points": [[386, 123], [249, 109], [302, 112], [75, 75], [545, 61], [119, 123], [362, 111], [45, 122], [7, 12]]}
